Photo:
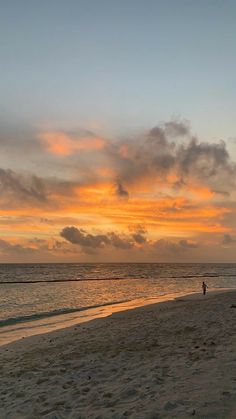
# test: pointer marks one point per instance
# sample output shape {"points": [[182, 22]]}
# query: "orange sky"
{"points": [[78, 196]]}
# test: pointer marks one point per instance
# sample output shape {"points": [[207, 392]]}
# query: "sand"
{"points": [[170, 360]]}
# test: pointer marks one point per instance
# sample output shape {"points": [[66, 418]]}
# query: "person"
{"points": [[204, 287]]}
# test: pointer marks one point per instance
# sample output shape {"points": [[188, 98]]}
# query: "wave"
{"points": [[130, 278], [41, 281], [47, 314]]}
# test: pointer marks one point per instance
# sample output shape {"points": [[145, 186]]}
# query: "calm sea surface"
{"points": [[29, 292]]}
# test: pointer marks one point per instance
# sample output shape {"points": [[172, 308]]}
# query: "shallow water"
{"points": [[85, 285]]}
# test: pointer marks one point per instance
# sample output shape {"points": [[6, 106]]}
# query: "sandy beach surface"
{"points": [[174, 359]]}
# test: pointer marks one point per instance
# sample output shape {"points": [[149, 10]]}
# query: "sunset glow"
{"points": [[117, 134], [141, 196]]}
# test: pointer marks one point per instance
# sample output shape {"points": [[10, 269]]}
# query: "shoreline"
{"points": [[166, 360], [48, 324]]}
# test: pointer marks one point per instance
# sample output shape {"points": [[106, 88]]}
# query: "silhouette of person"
{"points": [[204, 287]]}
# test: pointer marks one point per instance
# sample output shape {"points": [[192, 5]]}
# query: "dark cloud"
{"points": [[158, 154], [177, 128], [163, 163], [139, 238], [24, 187], [157, 137], [139, 234], [228, 239], [126, 242], [185, 244], [203, 158], [119, 242], [140, 229], [141, 158], [209, 163], [7, 248], [167, 246], [81, 237], [18, 188], [120, 190]]}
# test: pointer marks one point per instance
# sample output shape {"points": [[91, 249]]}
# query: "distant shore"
{"points": [[167, 360]]}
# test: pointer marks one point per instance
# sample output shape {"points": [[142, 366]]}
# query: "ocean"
{"points": [[40, 294]]}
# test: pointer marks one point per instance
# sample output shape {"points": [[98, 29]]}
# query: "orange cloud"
{"points": [[198, 192], [63, 145], [97, 205]]}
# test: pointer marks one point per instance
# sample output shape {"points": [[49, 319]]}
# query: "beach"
{"points": [[173, 359]]}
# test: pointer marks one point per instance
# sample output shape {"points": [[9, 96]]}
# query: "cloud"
{"points": [[120, 190], [119, 242], [228, 240], [167, 246], [125, 242], [169, 152], [7, 248], [81, 237], [186, 244], [208, 163], [142, 158], [78, 236], [64, 144], [48, 245], [157, 137], [177, 128], [204, 159], [22, 186], [166, 179], [35, 249], [22, 189], [139, 238], [139, 234]]}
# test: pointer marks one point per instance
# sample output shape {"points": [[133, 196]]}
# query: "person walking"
{"points": [[204, 287]]}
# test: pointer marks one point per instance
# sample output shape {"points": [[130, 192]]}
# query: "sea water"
{"points": [[43, 292]]}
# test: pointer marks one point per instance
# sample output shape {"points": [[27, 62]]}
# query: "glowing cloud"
{"points": [[63, 144], [180, 188]]}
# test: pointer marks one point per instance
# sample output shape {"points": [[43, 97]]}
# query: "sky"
{"points": [[117, 131]]}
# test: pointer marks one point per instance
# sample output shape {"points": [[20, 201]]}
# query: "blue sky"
{"points": [[120, 65]]}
